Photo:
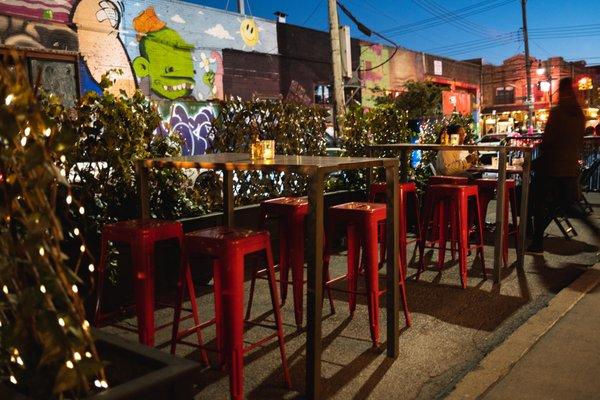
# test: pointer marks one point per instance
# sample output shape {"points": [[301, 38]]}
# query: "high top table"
{"points": [[529, 152], [316, 168]]}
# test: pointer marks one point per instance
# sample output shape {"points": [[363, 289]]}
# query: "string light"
{"points": [[91, 267], [76, 231], [9, 99], [82, 248], [42, 251], [69, 199], [86, 325], [97, 383], [104, 384], [77, 356], [13, 380], [43, 289], [20, 361], [23, 141], [74, 288], [61, 322], [27, 131], [69, 364], [81, 210], [63, 158], [88, 354], [5, 289], [47, 132]]}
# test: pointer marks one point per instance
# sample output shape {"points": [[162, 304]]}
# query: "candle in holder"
{"points": [[454, 140], [268, 149], [256, 150]]}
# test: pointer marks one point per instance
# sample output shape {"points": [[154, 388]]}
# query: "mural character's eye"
{"points": [[194, 72], [169, 69], [252, 30]]}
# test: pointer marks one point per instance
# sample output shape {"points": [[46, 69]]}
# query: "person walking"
{"points": [[556, 184]]}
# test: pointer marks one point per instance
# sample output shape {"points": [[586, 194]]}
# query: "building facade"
{"points": [[504, 91]]}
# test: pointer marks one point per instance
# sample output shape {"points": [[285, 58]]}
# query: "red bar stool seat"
{"points": [[292, 212], [456, 199], [141, 235], [362, 223], [228, 246], [378, 191], [487, 191], [447, 180]]}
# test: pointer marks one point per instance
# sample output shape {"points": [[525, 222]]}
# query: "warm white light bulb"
{"points": [[42, 251], [81, 210], [74, 288], [61, 322], [63, 158], [13, 380], [91, 267], [7, 101], [82, 248], [76, 231], [76, 356], [69, 199], [88, 354], [97, 383], [104, 384], [23, 141], [5, 289], [42, 288], [69, 364], [27, 131], [47, 132]]}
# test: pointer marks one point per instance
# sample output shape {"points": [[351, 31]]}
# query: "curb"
{"points": [[496, 364]]}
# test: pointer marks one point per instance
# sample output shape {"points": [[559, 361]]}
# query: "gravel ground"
{"points": [[453, 328]]}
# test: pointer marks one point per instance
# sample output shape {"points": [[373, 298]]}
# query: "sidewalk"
{"points": [[554, 355], [564, 363]]}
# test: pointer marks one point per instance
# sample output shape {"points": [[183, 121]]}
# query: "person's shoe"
{"points": [[535, 249]]}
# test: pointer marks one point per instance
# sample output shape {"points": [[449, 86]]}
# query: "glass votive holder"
{"points": [[268, 149], [256, 150], [454, 140]]}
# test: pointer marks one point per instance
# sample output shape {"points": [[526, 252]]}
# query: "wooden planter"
{"points": [[145, 373]]}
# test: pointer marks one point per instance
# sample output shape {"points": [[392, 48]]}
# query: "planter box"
{"points": [[140, 372]]}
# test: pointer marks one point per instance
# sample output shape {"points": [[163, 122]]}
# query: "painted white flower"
{"points": [[206, 61]]}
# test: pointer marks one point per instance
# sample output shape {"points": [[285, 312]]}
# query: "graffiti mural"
{"points": [[192, 122], [55, 10], [380, 73], [22, 33]]}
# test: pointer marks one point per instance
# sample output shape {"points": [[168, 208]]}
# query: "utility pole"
{"points": [[529, 101], [336, 61]]}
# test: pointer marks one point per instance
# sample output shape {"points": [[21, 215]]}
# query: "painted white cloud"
{"points": [[133, 43], [200, 12], [219, 32], [177, 18]]}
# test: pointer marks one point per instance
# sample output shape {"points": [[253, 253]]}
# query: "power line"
{"points": [[317, 6], [448, 16]]}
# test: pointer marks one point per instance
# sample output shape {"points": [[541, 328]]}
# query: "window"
{"points": [[56, 73], [505, 95], [323, 94]]}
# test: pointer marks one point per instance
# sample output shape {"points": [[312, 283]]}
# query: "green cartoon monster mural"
{"points": [[165, 58]]}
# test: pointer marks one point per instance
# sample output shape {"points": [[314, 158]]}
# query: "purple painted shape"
{"points": [[195, 129], [34, 9]]}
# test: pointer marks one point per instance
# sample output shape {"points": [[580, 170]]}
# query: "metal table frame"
{"points": [[528, 153], [316, 168]]}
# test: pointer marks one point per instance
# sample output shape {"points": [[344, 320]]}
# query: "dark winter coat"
{"points": [[562, 141]]}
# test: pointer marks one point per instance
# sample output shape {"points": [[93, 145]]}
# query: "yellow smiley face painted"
{"points": [[249, 32]]}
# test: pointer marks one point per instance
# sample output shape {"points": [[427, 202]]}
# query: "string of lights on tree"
{"points": [[46, 345]]}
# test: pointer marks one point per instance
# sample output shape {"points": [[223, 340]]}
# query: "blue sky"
{"points": [[488, 29]]}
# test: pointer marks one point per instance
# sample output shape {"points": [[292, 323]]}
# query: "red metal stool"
{"points": [[487, 190], [292, 212], [142, 235], [229, 246], [447, 180], [378, 191], [362, 221], [453, 197]]}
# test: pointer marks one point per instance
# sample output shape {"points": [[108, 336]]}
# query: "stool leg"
{"points": [[424, 231], [480, 222], [463, 239], [419, 233], [443, 228], [297, 265], [372, 277], [251, 293], [100, 278], [218, 290], [143, 267], [277, 312], [195, 314], [232, 321], [285, 259], [407, 316], [352, 266], [181, 283], [513, 213]]}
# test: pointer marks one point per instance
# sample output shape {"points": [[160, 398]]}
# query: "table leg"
{"points": [[392, 272], [404, 165], [523, 219], [314, 286], [500, 210], [228, 198], [142, 178]]}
